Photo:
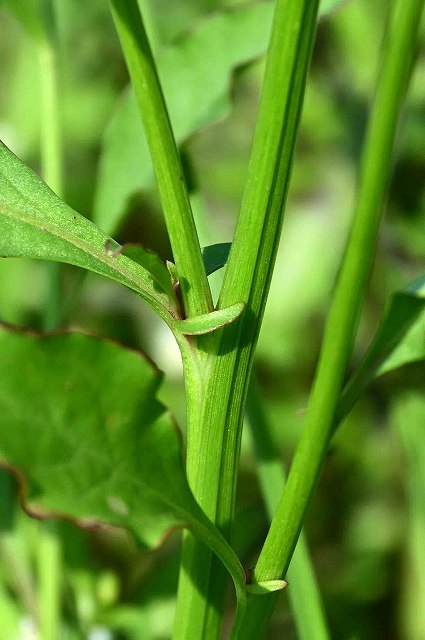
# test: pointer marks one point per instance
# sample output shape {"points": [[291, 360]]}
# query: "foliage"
{"points": [[85, 429]]}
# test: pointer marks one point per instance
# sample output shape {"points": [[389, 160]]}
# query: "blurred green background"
{"points": [[366, 527]]}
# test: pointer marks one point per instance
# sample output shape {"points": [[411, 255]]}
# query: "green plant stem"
{"points": [[304, 593], [49, 554], [217, 375], [165, 157], [342, 321]]}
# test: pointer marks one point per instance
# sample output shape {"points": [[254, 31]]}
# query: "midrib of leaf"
{"points": [[141, 282]]}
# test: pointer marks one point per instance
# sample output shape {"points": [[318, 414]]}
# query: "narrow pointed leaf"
{"points": [[195, 99], [81, 427], [411, 348], [400, 339], [36, 223], [215, 256]]}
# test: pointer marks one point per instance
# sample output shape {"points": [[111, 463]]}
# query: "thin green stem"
{"points": [[304, 592], [342, 322], [165, 157], [217, 379]]}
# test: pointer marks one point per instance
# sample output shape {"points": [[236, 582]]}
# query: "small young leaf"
{"points": [[393, 345], [172, 270], [82, 429], [36, 223], [268, 586], [215, 256], [210, 321]]}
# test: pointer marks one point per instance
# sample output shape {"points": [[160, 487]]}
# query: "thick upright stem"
{"points": [[215, 431]]}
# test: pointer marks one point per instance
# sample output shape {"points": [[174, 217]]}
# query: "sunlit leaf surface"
{"points": [[36, 223]]}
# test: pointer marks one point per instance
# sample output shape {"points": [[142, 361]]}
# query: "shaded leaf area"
{"points": [[195, 75], [327, 6], [28, 14], [400, 340], [81, 425], [36, 223], [215, 256]]}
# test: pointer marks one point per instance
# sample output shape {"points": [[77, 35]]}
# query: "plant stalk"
{"points": [[165, 157], [217, 376], [397, 58], [304, 593]]}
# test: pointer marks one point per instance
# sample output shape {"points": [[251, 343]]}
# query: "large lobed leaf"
{"points": [[82, 428], [195, 74]]}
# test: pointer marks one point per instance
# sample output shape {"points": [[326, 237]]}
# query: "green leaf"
{"points": [[151, 262], [28, 14], [82, 429], [328, 6], [195, 74], [36, 223], [209, 322], [400, 339], [410, 349], [215, 256]]}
